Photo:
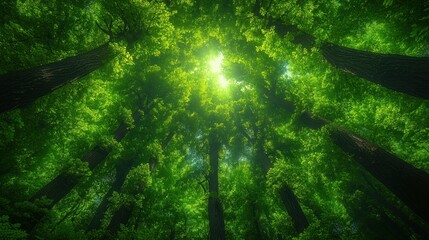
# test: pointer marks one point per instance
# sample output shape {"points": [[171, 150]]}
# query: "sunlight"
{"points": [[216, 68], [216, 64], [223, 82]]}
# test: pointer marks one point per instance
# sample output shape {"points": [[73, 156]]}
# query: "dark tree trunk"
{"points": [[216, 221], [408, 183], [415, 226], [119, 217], [123, 214], [293, 208], [60, 186], [20, 88], [409, 75], [289, 199], [122, 170], [257, 234]]}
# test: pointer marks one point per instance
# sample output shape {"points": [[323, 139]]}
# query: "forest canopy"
{"points": [[223, 119]]}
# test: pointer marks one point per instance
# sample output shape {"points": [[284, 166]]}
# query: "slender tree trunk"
{"points": [[257, 227], [60, 186], [20, 88], [122, 170], [293, 208], [408, 183], [290, 201], [216, 221], [123, 214], [409, 75]]}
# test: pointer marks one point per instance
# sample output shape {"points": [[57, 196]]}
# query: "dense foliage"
{"points": [[186, 76]]}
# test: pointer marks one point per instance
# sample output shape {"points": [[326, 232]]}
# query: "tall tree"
{"points": [[133, 22], [216, 220], [123, 214], [409, 75], [407, 182], [23, 87], [60, 186], [289, 199], [122, 169], [405, 74]]}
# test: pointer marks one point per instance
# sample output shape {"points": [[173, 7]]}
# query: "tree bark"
{"points": [[216, 220], [122, 170], [287, 196], [20, 88], [409, 75], [409, 184]]}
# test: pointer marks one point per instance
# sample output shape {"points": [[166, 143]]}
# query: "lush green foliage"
{"points": [[162, 75]]}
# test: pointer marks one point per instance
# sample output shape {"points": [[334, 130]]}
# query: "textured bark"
{"points": [[216, 221], [122, 170], [20, 88], [409, 75], [409, 184]]}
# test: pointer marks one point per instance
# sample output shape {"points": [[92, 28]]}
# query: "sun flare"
{"points": [[216, 68], [216, 64]]}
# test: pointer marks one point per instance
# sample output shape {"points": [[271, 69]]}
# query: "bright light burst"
{"points": [[216, 68], [216, 64]]}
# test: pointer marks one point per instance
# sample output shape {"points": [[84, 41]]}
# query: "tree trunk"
{"points": [[119, 217], [122, 170], [256, 233], [409, 75], [123, 214], [60, 186], [293, 208], [20, 88], [289, 199], [409, 184], [216, 221]]}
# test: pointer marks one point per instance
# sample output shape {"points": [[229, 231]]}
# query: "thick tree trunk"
{"points": [[20, 88], [216, 221], [408, 183], [60, 186], [122, 170], [409, 75]]}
